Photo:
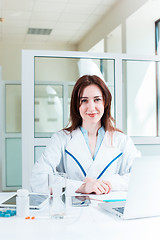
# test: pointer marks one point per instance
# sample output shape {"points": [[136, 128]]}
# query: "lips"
{"points": [[92, 114]]}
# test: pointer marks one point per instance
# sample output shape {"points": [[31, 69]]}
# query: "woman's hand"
{"points": [[98, 186]]}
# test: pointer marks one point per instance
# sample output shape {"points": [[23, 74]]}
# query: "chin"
{"points": [[94, 121]]}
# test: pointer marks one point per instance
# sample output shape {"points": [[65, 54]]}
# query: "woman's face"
{"points": [[91, 105]]}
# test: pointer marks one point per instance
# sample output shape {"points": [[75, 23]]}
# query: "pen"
{"points": [[109, 200], [114, 200]]}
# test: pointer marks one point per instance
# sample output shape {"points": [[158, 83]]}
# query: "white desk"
{"points": [[83, 223]]}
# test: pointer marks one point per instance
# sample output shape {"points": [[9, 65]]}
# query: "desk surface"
{"points": [[80, 223]]}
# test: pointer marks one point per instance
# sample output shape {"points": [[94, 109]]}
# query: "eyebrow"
{"points": [[93, 97]]}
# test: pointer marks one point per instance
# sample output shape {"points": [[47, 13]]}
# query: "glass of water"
{"points": [[57, 194]]}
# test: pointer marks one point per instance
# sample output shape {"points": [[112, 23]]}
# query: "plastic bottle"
{"points": [[22, 203]]}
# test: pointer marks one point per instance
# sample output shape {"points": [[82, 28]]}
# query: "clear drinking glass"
{"points": [[57, 194]]}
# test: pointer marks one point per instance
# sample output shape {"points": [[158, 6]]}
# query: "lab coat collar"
{"points": [[79, 152]]}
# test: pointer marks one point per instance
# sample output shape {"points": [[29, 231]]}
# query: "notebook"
{"points": [[143, 197]]}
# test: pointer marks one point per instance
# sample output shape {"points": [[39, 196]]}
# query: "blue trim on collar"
{"points": [[101, 133], [76, 162], [109, 165]]}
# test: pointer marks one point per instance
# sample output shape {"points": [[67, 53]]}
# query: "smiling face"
{"points": [[91, 106]]}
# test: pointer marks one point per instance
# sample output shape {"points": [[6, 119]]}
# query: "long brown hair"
{"points": [[107, 120]]}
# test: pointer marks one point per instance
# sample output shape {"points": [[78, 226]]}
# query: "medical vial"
{"points": [[22, 203]]}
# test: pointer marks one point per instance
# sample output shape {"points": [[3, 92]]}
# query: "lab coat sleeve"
{"points": [[119, 182], [52, 160], [46, 164]]}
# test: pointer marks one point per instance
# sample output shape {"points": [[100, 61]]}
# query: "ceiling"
{"points": [[68, 21]]}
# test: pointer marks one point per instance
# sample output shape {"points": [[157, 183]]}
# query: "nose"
{"points": [[91, 106]]}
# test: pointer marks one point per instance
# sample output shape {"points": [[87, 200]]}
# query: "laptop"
{"points": [[36, 201], [143, 197]]}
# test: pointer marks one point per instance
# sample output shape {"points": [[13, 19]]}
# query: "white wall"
{"points": [[114, 40], [140, 29], [116, 16], [10, 57], [56, 69], [13, 108]]}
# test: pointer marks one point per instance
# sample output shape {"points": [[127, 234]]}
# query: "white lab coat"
{"points": [[68, 152]]}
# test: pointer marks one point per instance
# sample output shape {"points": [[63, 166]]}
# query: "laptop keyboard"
{"points": [[119, 209]]}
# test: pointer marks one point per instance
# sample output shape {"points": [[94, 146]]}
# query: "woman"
{"points": [[93, 153]]}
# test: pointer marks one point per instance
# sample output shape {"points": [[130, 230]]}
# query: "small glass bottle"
{"points": [[22, 203]]}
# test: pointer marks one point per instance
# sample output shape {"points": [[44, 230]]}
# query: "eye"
{"points": [[97, 99], [83, 100]]}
